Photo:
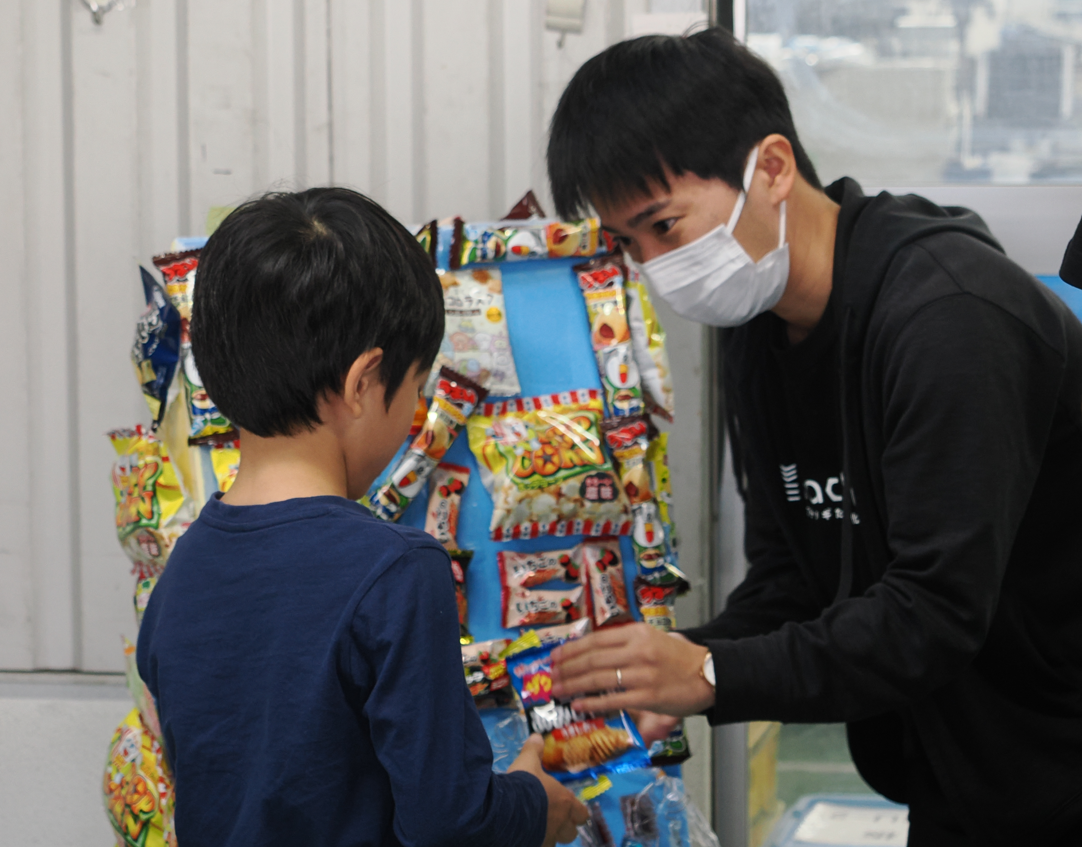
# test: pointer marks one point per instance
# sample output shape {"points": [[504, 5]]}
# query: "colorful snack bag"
{"points": [[542, 462], [476, 342], [178, 270], [143, 589], [206, 420], [528, 570], [444, 500], [151, 510], [419, 415], [564, 632], [627, 439], [602, 285], [137, 786], [156, 349], [486, 673], [604, 569], [455, 399], [460, 561], [577, 745], [656, 603], [648, 344], [657, 460], [540, 607], [504, 241]]}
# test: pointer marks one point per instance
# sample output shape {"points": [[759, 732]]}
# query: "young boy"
{"points": [[303, 654]]}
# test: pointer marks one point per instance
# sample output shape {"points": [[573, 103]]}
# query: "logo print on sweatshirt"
{"points": [[823, 500]]}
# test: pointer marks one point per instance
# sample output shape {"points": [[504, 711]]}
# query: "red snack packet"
{"points": [[460, 561], [541, 607], [604, 569], [444, 500], [656, 603], [528, 570]]}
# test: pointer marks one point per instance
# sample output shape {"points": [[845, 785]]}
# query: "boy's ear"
{"points": [[362, 386]]}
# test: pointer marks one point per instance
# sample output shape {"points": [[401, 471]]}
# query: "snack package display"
{"points": [[602, 284], [542, 462], [509, 241], [476, 342], [528, 570], [151, 510], [530, 607], [444, 500], [138, 787], [604, 570], [455, 399], [648, 343], [577, 745], [460, 561], [156, 349], [627, 439], [486, 673]]}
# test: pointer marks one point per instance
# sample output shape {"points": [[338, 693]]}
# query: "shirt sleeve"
{"points": [[968, 394], [424, 726]]}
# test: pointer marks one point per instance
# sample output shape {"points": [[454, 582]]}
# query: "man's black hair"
{"points": [[696, 104], [292, 288]]}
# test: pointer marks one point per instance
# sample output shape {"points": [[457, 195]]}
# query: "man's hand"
{"points": [[566, 813], [658, 672]]}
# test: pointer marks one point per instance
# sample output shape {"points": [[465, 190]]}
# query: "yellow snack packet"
{"points": [[648, 344], [542, 461], [137, 787], [151, 509]]}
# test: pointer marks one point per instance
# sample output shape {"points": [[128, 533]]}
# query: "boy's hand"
{"points": [[566, 813]]}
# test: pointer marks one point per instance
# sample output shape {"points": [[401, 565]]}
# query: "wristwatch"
{"points": [[707, 670]]}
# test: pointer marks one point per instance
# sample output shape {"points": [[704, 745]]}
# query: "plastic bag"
{"points": [[542, 462]]}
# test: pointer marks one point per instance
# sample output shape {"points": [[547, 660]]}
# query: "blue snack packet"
{"points": [[156, 350], [577, 745]]}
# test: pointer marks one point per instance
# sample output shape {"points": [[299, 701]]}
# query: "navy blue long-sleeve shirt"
{"points": [[305, 661]]}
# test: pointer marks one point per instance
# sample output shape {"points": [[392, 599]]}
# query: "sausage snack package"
{"points": [[486, 673], [528, 570], [648, 344], [602, 284], [476, 342], [529, 607], [577, 745], [151, 509], [604, 569], [541, 460], [455, 399], [460, 561], [444, 501], [627, 439], [519, 240], [156, 349]]}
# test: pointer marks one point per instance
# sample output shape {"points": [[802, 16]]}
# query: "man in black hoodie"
{"points": [[904, 407]]}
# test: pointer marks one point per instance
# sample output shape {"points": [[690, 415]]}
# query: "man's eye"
{"points": [[663, 226], [622, 240]]}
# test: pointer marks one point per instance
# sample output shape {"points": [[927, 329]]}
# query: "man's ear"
{"points": [[362, 387], [778, 164]]}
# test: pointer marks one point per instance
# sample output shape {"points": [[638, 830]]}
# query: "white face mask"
{"points": [[713, 280]]}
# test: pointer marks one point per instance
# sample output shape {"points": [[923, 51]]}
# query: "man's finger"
{"points": [[594, 641], [598, 672], [605, 703]]}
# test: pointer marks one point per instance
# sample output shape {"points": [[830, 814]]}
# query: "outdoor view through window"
{"points": [[925, 92]]}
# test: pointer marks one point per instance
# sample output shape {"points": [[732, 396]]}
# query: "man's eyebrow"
{"points": [[652, 209]]}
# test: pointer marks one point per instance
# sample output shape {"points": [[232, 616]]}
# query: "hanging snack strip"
{"points": [[455, 399], [577, 745], [444, 502], [460, 561], [627, 439], [476, 342], [510, 241], [542, 462], [486, 673], [648, 343], [179, 272], [602, 284], [604, 570]]}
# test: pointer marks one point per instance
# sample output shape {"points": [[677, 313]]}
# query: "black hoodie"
{"points": [[961, 408]]}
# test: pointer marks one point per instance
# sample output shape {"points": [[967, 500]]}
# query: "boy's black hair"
{"points": [[697, 103], [292, 288]]}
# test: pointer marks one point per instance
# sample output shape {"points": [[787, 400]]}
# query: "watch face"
{"points": [[708, 670]]}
